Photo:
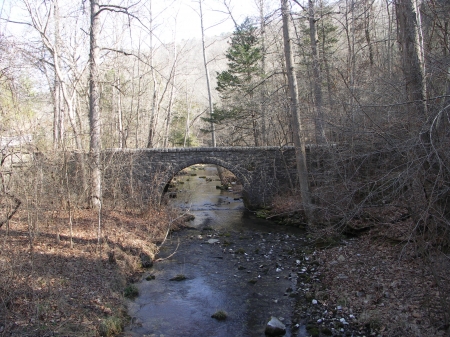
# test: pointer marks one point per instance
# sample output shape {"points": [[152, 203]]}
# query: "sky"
{"points": [[216, 18], [170, 16], [173, 20]]}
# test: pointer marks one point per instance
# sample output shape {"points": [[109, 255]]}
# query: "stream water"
{"points": [[232, 262]]}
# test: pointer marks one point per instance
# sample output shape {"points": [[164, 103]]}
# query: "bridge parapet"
{"points": [[263, 171]]}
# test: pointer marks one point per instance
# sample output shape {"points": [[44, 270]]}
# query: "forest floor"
{"points": [[380, 283], [48, 288], [381, 279], [370, 286]]}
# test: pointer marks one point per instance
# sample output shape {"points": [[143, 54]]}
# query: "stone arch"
{"points": [[241, 174]]}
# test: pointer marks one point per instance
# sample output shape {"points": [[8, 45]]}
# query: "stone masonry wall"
{"points": [[263, 171]]}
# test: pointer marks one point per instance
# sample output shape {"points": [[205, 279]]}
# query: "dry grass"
{"points": [[49, 288]]}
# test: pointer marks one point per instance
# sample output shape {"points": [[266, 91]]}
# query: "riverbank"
{"points": [[372, 278], [48, 288], [368, 286]]}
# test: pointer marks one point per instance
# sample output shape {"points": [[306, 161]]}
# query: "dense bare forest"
{"points": [[367, 81]]}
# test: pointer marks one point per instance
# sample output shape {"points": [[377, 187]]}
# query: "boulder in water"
{"points": [[275, 327]]}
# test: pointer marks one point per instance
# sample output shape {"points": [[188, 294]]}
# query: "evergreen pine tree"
{"points": [[236, 85]]}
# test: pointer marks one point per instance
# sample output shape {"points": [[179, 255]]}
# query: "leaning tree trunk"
{"points": [[298, 133]]}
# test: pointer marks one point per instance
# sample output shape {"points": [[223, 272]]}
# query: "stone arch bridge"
{"points": [[262, 171]]}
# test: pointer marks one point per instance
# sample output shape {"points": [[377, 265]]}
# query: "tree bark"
{"points": [[264, 136], [172, 95], [409, 39], [94, 108], [117, 88], [208, 84], [153, 113], [367, 17], [317, 74], [186, 130], [58, 117], [298, 133]]}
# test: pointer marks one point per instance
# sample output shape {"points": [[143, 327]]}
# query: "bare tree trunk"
{"points": [[351, 63], [80, 155], [317, 74], [153, 113], [367, 16], [389, 37], [119, 111], [94, 108], [172, 94], [138, 104], [69, 202], [208, 84], [298, 133], [409, 39], [188, 111], [263, 72], [329, 79], [58, 117], [255, 128]]}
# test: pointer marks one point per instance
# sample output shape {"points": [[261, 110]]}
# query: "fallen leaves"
{"points": [[388, 288], [48, 288]]}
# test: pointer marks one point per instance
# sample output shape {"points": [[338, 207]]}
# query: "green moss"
{"points": [[110, 326], [131, 291], [150, 277], [262, 213], [240, 251]]}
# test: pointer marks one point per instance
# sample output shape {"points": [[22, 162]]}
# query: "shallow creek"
{"points": [[232, 261]]}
